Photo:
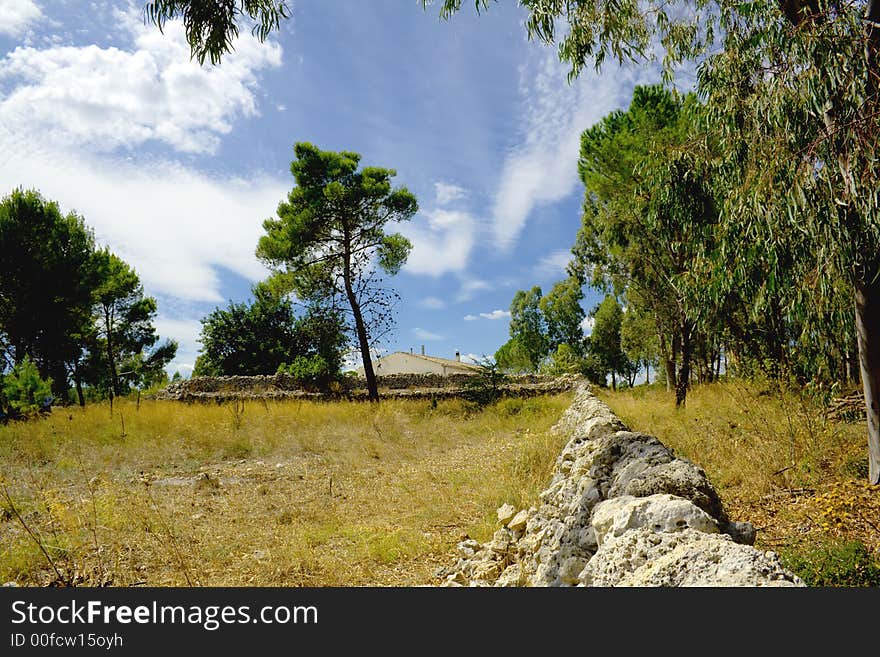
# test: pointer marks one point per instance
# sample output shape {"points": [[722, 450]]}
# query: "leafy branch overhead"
{"points": [[212, 25]]}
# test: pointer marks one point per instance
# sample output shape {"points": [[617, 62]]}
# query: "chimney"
{"points": [[423, 350], [457, 356]]}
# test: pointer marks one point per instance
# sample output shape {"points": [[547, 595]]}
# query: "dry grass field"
{"points": [[346, 493], [263, 494]]}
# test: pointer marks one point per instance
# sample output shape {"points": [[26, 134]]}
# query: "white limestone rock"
{"points": [[659, 513], [643, 557], [518, 522], [505, 512]]}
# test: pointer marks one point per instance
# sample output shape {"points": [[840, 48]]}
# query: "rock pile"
{"points": [[621, 510]]}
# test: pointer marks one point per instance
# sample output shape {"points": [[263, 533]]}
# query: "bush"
{"points": [[24, 393], [311, 371], [835, 563], [486, 386]]}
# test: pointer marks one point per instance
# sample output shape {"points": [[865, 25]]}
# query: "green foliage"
{"points": [[563, 361], [528, 326], [211, 25], [24, 393], [513, 357], [638, 338], [314, 371], [45, 286], [563, 315], [486, 386], [123, 349], [834, 563], [329, 236], [540, 323], [266, 335], [605, 342]]}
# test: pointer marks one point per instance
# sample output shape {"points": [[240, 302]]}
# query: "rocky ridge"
{"points": [[621, 510]]}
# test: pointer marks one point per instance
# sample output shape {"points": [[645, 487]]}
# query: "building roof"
{"points": [[448, 362], [445, 362]]}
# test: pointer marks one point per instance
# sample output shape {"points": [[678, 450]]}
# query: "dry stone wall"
{"points": [[621, 510], [285, 386]]}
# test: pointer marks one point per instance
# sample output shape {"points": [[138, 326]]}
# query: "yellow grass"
{"points": [[263, 494], [772, 454]]}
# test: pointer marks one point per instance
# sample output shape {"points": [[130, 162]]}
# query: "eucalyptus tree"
{"points": [[564, 315], [795, 85], [329, 240], [794, 97], [212, 25]]}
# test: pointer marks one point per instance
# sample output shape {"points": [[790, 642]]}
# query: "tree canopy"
{"points": [[78, 313], [329, 240], [267, 334]]}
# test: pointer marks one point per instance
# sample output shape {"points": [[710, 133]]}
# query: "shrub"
{"points": [[24, 393], [311, 371], [486, 386], [834, 563]]}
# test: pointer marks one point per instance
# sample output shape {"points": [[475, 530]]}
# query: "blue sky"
{"points": [[175, 166]]}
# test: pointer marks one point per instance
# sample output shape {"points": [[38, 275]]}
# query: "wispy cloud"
{"points": [[442, 241], [470, 288], [432, 303], [553, 264], [447, 193], [106, 98], [18, 16], [495, 314], [542, 168], [422, 334]]}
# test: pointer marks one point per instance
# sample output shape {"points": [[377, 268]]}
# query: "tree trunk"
{"points": [[684, 372], [647, 373], [361, 329], [668, 361], [868, 333], [114, 377], [613, 381], [77, 381]]}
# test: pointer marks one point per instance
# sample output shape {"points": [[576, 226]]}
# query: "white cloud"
{"points": [[18, 16], [422, 334], [105, 98], [495, 314], [542, 168], [441, 243], [553, 264], [587, 324], [185, 331], [471, 358], [174, 225], [447, 193], [432, 303], [469, 289]]}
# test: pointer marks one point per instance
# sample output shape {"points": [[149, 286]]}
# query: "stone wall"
{"points": [[621, 510], [285, 386]]}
